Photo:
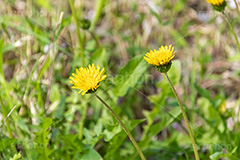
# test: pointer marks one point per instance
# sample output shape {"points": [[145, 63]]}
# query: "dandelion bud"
{"points": [[85, 24]]}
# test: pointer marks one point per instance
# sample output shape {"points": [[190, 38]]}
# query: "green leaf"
{"points": [[218, 155], [210, 114], [109, 133], [90, 137], [179, 38], [166, 120], [129, 75], [100, 57], [44, 68], [46, 124], [91, 154], [45, 4], [55, 93], [6, 143], [179, 6], [61, 107], [118, 139], [98, 128], [71, 142], [23, 29], [16, 156], [203, 92], [42, 140], [151, 130], [99, 4]]}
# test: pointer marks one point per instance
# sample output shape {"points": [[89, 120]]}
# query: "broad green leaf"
{"points": [[129, 75]]}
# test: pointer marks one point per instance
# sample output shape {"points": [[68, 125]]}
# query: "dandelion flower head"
{"points": [[160, 57], [87, 79], [216, 2]]}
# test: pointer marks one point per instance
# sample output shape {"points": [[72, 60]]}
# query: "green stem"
{"points": [[78, 31], [185, 118], [237, 6], [124, 128], [99, 4], [192, 82], [5, 117], [234, 34], [84, 114]]}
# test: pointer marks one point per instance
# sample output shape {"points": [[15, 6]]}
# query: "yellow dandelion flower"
{"points": [[216, 2], [87, 79], [161, 57], [218, 5]]}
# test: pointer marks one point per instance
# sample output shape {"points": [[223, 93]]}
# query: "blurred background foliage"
{"points": [[49, 120]]}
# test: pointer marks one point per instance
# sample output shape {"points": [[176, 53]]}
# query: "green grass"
{"points": [[51, 121]]}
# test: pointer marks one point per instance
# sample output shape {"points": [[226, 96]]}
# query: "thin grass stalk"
{"points": [[78, 31], [238, 10]]}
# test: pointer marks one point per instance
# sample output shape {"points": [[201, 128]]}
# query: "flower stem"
{"points": [[234, 34], [71, 2], [185, 118], [235, 1], [124, 128]]}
